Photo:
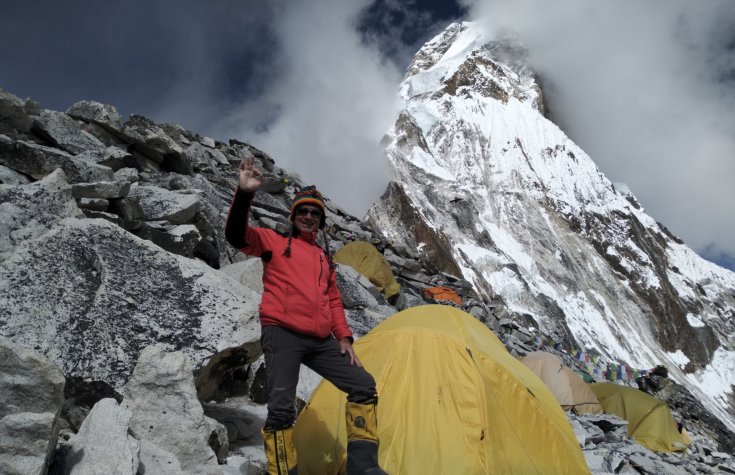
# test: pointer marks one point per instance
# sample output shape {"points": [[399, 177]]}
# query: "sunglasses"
{"points": [[306, 211]]}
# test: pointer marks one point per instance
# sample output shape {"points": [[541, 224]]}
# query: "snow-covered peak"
{"points": [[526, 215]]}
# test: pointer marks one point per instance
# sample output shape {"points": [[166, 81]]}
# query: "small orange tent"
{"points": [[441, 293]]}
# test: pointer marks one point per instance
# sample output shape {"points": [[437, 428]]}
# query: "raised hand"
{"points": [[250, 177]]}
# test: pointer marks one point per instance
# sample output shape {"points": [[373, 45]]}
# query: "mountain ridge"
{"points": [[532, 222]]}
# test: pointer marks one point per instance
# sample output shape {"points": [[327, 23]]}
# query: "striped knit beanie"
{"points": [[309, 195]]}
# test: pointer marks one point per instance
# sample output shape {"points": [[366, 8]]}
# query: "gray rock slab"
{"points": [[357, 291], [130, 212], [65, 132], [37, 161], [248, 273], [218, 440], [597, 461], [362, 320], [127, 174], [8, 176], [103, 189], [579, 432], [201, 158], [27, 442], [161, 204], [14, 114], [180, 239], [28, 211], [91, 296], [32, 390], [150, 139], [154, 459], [406, 300], [112, 157], [166, 412], [93, 204], [101, 114], [244, 465], [103, 444], [242, 418]]}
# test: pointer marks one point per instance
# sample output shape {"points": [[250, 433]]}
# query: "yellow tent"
{"points": [[368, 261], [452, 400], [650, 422], [567, 387]]}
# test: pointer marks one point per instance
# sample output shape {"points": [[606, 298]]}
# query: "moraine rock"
{"points": [[103, 189], [37, 161], [127, 174], [8, 176], [148, 138], [180, 239], [28, 211], [248, 273], [103, 443], [63, 132], [161, 204], [113, 294], [166, 412], [112, 157], [93, 204], [32, 390], [14, 114], [201, 158], [101, 114], [357, 291]]}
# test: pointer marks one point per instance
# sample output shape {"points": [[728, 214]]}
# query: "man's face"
{"points": [[307, 218]]}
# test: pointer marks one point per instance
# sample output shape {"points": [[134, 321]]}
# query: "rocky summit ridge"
{"points": [[128, 326]]}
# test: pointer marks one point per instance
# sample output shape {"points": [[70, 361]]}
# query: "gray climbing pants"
{"points": [[285, 351]]}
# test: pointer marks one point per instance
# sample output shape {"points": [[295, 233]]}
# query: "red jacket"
{"points": [[300, 291]]}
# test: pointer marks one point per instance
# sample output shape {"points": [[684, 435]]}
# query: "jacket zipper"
{"points": [[321, 268]]}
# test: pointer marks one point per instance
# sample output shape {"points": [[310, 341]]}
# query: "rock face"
{"points": [[32, 390], [103, 444], [166, 412], [28, 211], [112, 234], [113, 295], [493, 192]]}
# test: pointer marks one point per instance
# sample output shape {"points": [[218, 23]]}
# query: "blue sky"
{"points": [[646, 88]]}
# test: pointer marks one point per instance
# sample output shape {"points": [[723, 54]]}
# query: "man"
{"points": [[303, 321]]}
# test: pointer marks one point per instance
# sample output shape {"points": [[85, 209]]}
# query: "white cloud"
{"points": [[646, 88], [331, 103]]}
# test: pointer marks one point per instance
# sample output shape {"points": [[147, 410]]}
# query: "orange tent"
{"points": [[442, 293]]}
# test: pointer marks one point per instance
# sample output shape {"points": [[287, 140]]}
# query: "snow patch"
{"points": [[694, 321], [679, 358]]}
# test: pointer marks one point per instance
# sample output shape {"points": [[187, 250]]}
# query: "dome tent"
{"points": [[567, 387], [368, 261], [650, 422], [452, 400]]}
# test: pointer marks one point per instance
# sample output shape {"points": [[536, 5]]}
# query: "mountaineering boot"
{"points": [[280, 451], [362, 439]]}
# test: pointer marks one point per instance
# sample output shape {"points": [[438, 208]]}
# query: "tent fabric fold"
{"points": [[451, 400]]}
